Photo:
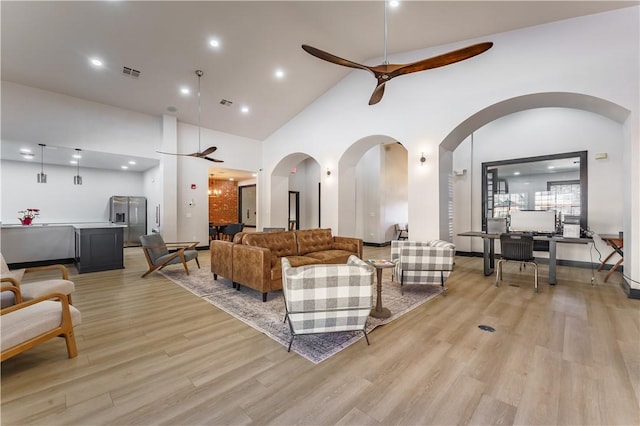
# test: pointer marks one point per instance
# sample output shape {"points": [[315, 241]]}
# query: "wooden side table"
{"points": [[617, 244], [379, 311]]}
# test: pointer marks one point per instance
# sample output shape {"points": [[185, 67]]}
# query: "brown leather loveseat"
{"points": [[253, 259]]}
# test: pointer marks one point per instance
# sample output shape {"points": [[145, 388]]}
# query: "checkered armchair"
{"points": [[327, 298], [422, 262]]}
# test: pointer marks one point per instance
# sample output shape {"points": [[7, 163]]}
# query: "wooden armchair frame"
{"points": [[65, 329], [180, 247]]}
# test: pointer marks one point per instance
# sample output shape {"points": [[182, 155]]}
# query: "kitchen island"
{"points": [[91, 246]]}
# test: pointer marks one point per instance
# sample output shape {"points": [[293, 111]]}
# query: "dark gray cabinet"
{"points": [[99, 249]]}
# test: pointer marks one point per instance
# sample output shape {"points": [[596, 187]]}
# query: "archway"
{"points": [[554, 101], [298, 172], [372, 188]]}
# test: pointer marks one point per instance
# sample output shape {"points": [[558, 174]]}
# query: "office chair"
{"points": [[516, 248]]}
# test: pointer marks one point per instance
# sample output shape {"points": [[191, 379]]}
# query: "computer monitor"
{"points": [[543, 221]]}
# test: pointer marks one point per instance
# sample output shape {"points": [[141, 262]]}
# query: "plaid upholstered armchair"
{"points": [[327, 298], [422, 262]]}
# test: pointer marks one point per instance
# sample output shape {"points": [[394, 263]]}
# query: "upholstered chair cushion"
{"points": [[40, 288], [19, 326]]}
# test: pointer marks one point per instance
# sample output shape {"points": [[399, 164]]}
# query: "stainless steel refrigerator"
{"points": [[130, 211]]}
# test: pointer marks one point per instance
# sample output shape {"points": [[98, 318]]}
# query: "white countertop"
{"points": [[89, 225]]}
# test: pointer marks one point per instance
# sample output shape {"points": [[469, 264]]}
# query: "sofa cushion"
{"points": [[294, 261], [330, 256], [314, 240], [280, 243]]}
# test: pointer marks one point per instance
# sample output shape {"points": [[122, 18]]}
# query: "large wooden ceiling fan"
{"points": [[386, 71], [206, 152]]}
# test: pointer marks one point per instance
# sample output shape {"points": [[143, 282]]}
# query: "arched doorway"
{"points": [[297, 173], [373, 195], [532, 120]]}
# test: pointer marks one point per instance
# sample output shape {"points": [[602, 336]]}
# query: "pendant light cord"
{"points": [[41, 158], [199, 73], [385, 34]]}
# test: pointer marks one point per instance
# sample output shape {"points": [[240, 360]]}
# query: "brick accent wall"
{"points": [[223, 201]]}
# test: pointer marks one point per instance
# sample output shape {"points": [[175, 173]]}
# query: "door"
{"points": [[248, 207], [294, 210]]}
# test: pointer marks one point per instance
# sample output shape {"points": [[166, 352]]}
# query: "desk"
{"points": [[617, 244], [488, 252]]}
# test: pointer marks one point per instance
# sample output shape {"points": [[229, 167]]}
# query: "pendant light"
{"points": [[77, 179], [42, 177]]}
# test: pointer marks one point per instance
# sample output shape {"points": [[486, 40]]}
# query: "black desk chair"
{"points": [[516, 248], [229, 231]]}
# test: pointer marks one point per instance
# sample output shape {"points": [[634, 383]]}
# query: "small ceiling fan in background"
{"points": [[386, 71], [200, 153]]}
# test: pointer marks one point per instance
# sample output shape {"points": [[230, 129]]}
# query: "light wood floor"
{"points": [[153, 353]]}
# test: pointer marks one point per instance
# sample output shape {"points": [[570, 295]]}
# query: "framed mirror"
{"points": [[555, 182]]}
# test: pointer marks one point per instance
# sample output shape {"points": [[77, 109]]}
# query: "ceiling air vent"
{"points": [[225, 102], [130, 72]]}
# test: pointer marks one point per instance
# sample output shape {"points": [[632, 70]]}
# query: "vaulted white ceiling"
{"points": [[48, 45]]}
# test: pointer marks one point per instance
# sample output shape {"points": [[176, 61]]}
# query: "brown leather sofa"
{"points": [[253, 259]]}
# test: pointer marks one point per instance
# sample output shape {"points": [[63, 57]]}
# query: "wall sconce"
{"points": [[422, 159], [42, 177], [77, 179], [328, 172]]}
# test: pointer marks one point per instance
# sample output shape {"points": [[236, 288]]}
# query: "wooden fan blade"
{"points": [[215, 160], [441, 60], [173, 153], [209, 150], [321, 54], [377, 94]]}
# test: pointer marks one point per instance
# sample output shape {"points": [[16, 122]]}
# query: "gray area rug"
{"points": [[267, 317]]}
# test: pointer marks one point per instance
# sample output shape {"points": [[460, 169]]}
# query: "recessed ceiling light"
{"points": [[516, 173], [279, 73], [551, 167], [132, 162], [244, 110], [185, 90], [77, 156], [394, 3], [95, 62], [73, 162], [25, 150], [27, 155], [124, 167], [230, 178], [214, 42]]}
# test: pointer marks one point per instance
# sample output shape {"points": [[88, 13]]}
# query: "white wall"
{"points": [[59, 200], [39, 116], [153, 191], [544, 131], [596, 55], [192, 217], [381, 192], [394, 196]]}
